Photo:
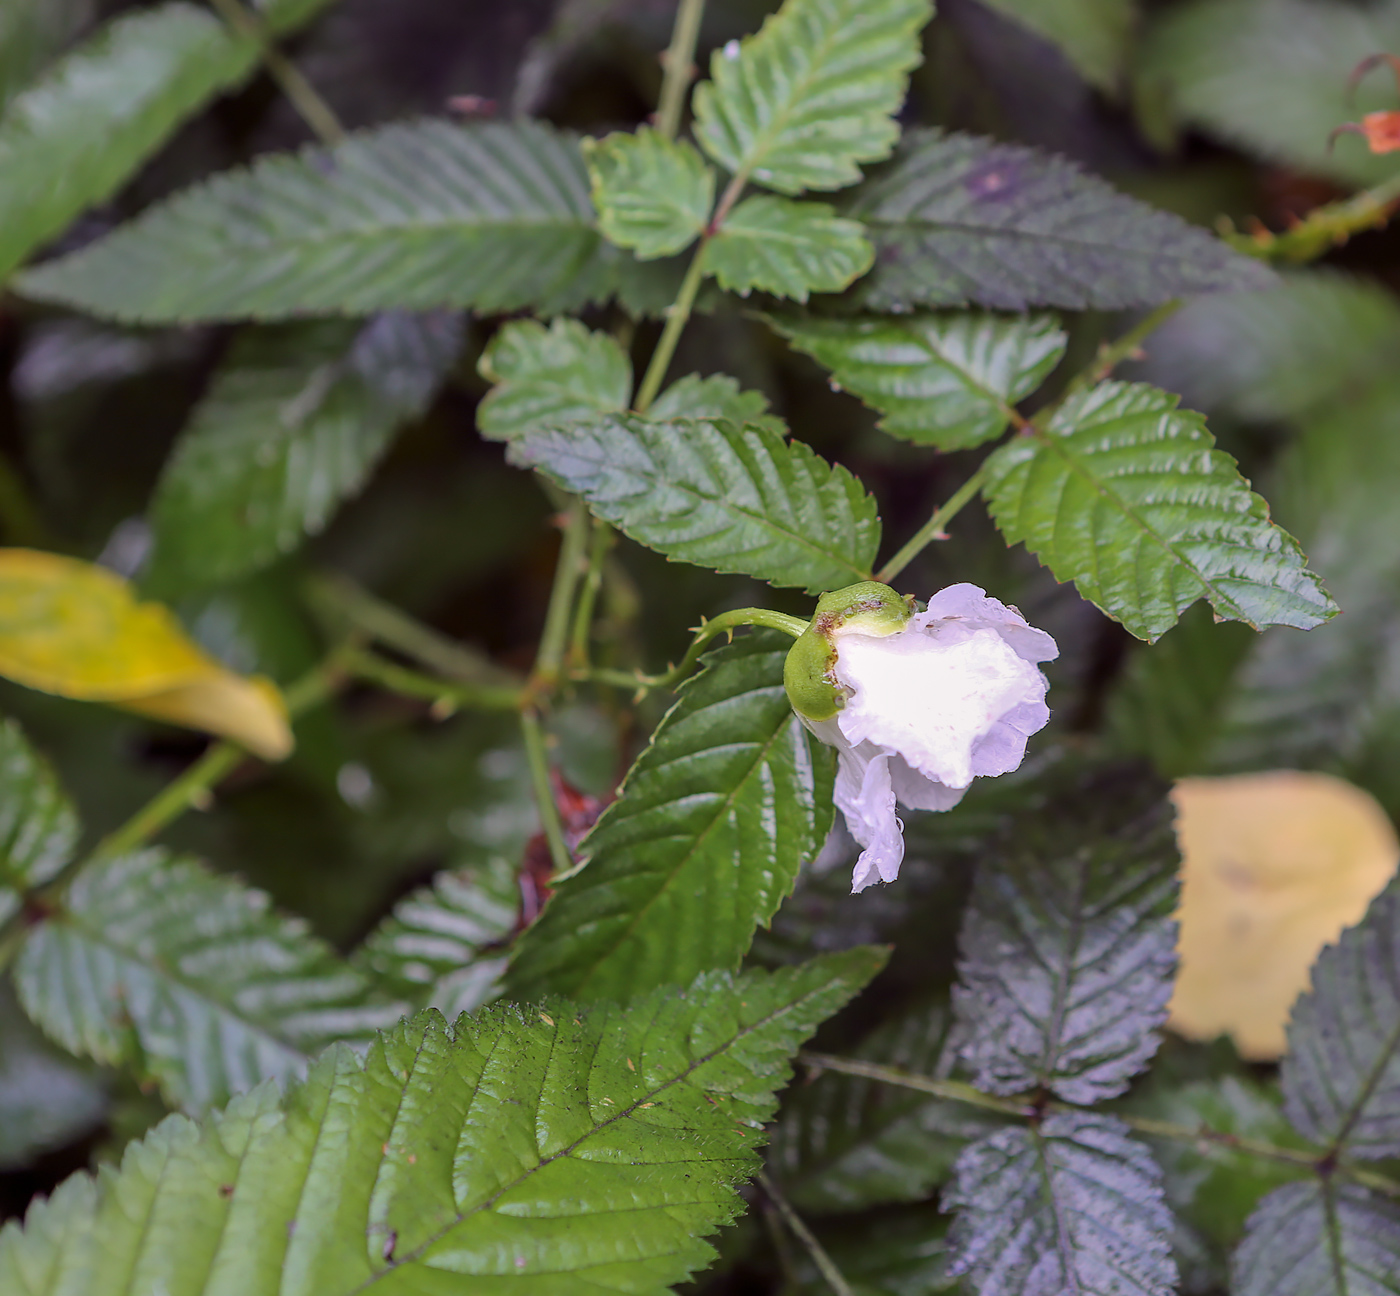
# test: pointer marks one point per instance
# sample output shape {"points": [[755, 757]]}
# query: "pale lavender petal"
{"points": [[912, 789]]}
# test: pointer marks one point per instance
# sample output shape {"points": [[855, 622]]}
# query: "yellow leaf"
{"points": [[1274, 866], [77, 630]]}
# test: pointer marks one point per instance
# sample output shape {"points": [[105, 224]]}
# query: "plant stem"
{"points": [[567, 574], [679, 69], [825, 1265], [677, 314], [588, 596], [957, 1091], [933, 529], [302, 95], [538, 761], [411, 683], [1112, 354], [1322, 228]]}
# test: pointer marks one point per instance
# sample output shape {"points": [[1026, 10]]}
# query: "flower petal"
{"points": [[865, 796], [912, 789], [970, 603]]}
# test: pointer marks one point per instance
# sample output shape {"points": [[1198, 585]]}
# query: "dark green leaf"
{"points": [[957, 219], [813, 94], [1322, 1238], [492, 217], [1068, 948], [789, 249], [545, 1151], [294, 423], [1095, 35], [38, 829], [1341, 1077], [190, 979], [705, 491], [846, 1142], [1124, 494], [653, 194], [947, 380], [1074, 1205], [715, 397], [95, 116], [702, 845], [549, 377]]}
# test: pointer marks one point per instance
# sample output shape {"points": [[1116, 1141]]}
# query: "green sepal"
{"points": [[866, 607]]}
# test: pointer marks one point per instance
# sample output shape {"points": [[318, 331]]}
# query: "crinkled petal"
{"points": [[865, 796], [970, 603], [912, 789], [998, 752]]}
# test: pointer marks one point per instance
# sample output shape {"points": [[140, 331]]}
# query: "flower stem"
{"points": [[410, 683], [798, 1227], [603, 536], [567, 574], [932, 529], [679, 67], [677, 315]]}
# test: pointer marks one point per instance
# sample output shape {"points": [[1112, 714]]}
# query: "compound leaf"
{"points": [[74, 136], [956, 219], [800, 104], [1341, 1076], [1067, 947], [1074, 1205], [653, 194], [549, 376], [703, 843], [189, 978], [717, 396], [414, 216], [948, 380], [553, 1151], [294, 423], [789, 249], [38, 827], [717, 494], [1124, 494], [1324, 1237]]}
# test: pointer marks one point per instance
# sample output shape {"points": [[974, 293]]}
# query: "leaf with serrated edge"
{"points": [[715, 397], [77, 134], [548, 376], [713, 493], [543, 1151], [1341, 1076], [38, 827], [1321, 1238], [789, 249], [1124, 494], [703, 843], [957, 219], [294, 423], [945, 380], [189, 977], [813, 94], [1067, 947], [414, 216], [1074, 1205], [653, 194], [846, 1142]]}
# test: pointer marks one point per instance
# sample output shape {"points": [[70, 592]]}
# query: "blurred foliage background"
{"points": [[1210, 108]]}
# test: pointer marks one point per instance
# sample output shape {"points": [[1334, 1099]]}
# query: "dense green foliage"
{"points": [[337, 327]]}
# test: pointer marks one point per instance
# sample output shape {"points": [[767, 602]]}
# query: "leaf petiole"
{"points": [[932, 529]]}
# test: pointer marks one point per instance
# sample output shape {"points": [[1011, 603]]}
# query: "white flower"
{"points": [[921, 710]]}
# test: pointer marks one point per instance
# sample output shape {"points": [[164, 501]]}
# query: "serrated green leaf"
{"points": [[1067, 947], [845, 1142], [653, 194], [800, 104], [1074, 1205], [702, 845], [437, 948], [491, 217], [189, 978], [789, 249], [1322, 1238], [38, 827], [550, 376], [1341, 1075], [93, 118], [1093, 34], [293, 424], [715, 397], [1272, 77], [706, 491], [548, 1151], [948, 380], [1124, 494], [956, 219]]}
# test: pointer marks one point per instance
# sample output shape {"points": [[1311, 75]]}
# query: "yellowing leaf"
{"points": [[1274, 866], [77, 630]]}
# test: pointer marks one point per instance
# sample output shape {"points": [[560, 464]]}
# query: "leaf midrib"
{"points": [[883, 223]]}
